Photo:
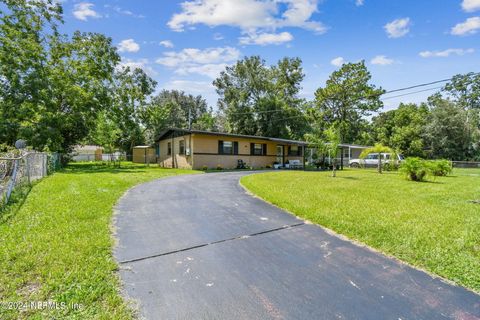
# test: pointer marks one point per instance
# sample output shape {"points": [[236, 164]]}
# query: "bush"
{"points": [[390, 166], [268, 166], [440, 168], [204, 168], [415, 169], [219, 167]]}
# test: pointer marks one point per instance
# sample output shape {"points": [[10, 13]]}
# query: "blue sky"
{"points": [[184, 44]]}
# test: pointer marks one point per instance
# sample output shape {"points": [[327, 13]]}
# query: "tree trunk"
{"points": [[380, 163]]}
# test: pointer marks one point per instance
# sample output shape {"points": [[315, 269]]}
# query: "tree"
{"points": [[131, 90], [380, 149], [326, 143], [346, 100], [260, 100], [106, 133], [403, 129], [53, 85], [448, 133], [176, 109]]}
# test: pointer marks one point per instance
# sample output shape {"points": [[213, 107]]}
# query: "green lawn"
{"points": [[57, 246], [431, 225]]}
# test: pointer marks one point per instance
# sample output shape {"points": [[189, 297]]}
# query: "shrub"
{"points": [[440, 168], [415, 169], [268, 166], [390, 166], [204, 168], [219, 167]]}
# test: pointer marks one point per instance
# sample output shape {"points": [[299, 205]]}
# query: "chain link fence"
{"points": [[17, 170]]}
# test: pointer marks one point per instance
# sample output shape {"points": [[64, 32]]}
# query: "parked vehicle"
{"points": [[371, 160]]}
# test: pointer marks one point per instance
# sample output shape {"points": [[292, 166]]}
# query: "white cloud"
{"points": [[208, 62], [128, 45], [143, 64], [381, 60], [125, 12], [359, 3], [251, 16], [166, 44], [469, 26], [83, 11], [445, 53], [397, 28], [337, 62], [266, 38], [471, 5], [197, 87]]}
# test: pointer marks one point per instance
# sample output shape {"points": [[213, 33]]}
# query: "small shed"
{"points": [[144, 154]]}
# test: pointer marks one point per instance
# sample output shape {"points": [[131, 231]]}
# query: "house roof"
{"points": [[167, 134]]}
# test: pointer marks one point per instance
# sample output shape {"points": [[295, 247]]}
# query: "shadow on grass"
{"points": [[17, 199], [93, 168]]}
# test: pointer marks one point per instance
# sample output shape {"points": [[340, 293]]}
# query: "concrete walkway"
{"points": [[200, 247]]}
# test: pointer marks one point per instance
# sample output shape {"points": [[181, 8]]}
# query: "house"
{"points": [[87, 153], [197, 149]]}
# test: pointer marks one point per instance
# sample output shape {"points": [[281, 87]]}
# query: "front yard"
{"points": [[431, 225], [57, 246]]}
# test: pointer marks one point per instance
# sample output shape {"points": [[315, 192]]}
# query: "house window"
{"points": [[181, 147], [169, 148], [258, 149], [294, 151], [227, 147]]}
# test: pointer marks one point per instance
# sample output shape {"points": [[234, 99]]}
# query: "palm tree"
{"points": [[380, 149]]}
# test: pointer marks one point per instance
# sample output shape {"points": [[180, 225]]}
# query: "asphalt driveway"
{"points": [[200, 247]]}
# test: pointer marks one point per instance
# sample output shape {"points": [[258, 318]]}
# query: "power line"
{"points": [[373, 95]]}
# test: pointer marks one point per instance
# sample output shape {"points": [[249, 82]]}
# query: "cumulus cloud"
{"points": [[469, 26], [381, 60], [143, 64], [208, 62], [83, 11], [198, 87], [337, 62], [266, 38], [261, 17], [398, 28], [471, 5], [128, 45], [166, 44], [445, 53]]}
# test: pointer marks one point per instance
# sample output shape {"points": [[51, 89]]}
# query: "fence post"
{"points": [[12, 180]]}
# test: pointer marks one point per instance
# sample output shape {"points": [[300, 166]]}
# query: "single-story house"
{"points": [[197, 149]]}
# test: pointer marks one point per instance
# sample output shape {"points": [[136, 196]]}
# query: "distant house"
{"points": [[87, 153], [197, 149]]}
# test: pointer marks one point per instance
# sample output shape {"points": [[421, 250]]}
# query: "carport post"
{"points": [[341, 158]]}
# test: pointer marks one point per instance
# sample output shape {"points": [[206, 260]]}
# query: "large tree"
{"points": [[346, 100], [52, 85], [174, 108], [448, 133], [261, 100], [402, 129]]}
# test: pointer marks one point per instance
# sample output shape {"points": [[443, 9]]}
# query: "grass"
{"points": [[431, 225], [57, 245]]}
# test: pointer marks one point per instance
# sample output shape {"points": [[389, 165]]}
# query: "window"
{"points": [[372, 156], [257, 149], [294, 151], [169, 148], [181, 147], [227, 147]]}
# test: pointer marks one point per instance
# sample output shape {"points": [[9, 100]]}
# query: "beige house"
{"points": [[177, 148]]}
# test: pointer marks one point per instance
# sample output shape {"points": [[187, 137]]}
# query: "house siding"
{"points": [[175, 160]]}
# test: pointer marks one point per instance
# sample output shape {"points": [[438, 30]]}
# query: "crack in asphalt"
{"points": [[214, 242]]}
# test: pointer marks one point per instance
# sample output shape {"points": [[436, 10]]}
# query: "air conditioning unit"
{"points": [[188, 152]]}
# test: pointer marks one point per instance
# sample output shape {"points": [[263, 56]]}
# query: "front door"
{"points": [[280, 154]]}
